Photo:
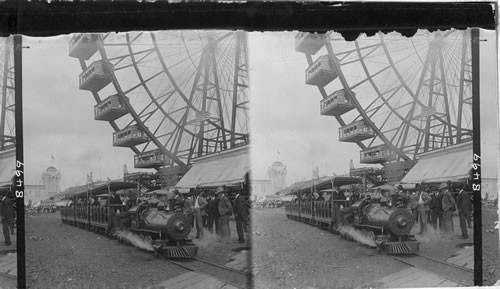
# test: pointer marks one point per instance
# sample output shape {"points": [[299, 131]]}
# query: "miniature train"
{"points": [[166, 231], [388, 228]]}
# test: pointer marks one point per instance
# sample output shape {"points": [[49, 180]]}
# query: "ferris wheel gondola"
{"points": [[395, 97], [170, 96]]}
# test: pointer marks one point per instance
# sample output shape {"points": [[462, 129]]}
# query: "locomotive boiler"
{"points": [[167, 231], [391, 226]]}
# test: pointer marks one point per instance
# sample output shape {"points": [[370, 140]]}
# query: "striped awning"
{"points": [[7, 166], [450, 164], [226, 168]]}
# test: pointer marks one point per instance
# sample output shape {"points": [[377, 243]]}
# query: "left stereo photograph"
{"points": [[8, 240], [137, 157]]}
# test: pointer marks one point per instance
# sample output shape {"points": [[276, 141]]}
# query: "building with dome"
{"points": [[50, 185], [276, 173], [51, 179]]}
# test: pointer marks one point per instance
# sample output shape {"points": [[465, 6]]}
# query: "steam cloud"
{"points": [[208, 241], [136, 240], [359, 236]]}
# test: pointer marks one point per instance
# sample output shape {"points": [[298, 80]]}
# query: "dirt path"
{"points": [[289, 254], [62, 256]]}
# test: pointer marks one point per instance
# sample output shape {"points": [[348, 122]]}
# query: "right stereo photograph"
{"points": [[362, 159]]}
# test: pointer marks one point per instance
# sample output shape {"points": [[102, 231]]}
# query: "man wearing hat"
{"points": [[423, 201], [199, 209], [178, 202], [213, 214], [241, 216], [448, 203], [437, 209], [464, 206], [189, 208], [225, 211], [114, 203]]}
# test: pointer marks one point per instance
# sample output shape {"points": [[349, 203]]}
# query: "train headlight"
{"points": [[179, 227], [402, 222]]}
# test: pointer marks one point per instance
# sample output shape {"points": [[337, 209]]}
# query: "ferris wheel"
{"points": [[395, 97], [169, 96], [7, 90]]}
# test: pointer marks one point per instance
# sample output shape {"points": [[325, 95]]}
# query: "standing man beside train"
{"points": [[423, 206], [448, 208], [437, 210], [213, 214], [189, 209], [414, 206], [225, 211], [200, 205], [241, 215], [464, 206], [7, 214]]}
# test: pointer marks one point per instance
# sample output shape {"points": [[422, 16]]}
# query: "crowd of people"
{"points": [[210, 211], [436, 206], [269, 204], [433, 206]]}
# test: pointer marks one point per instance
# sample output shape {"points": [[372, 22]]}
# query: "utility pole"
{"points": [[476, 182]]}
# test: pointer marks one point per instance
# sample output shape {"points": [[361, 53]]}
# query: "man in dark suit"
{"points": [[464, 206], [437, 210], [7, 214], [114, 202], [240, 209], [178, 202], [213, 214], [114, 199]]}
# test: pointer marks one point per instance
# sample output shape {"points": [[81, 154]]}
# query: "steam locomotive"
{"points": [[386, 228], [166, 231]]}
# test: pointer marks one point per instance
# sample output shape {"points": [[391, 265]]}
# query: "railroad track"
{"points": [[231, 276], [453, 272]]}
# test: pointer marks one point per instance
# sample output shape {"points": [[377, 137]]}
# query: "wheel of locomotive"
{"points": [[7, 90], [184, 92], [414, 93]]}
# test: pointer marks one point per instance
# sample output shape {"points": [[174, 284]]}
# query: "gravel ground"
{"points": [[63, 256], [491, 256], [289, 254]]}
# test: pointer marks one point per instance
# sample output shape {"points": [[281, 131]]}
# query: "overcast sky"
{"points": [[59, 119], [285, 112]]}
